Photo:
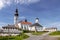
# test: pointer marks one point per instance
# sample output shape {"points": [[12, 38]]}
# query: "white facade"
{"points": [[50, 29], [15, 19], [11, 31], [28, 27], [24, 26], [32, 28], [36, 28], [19, 24]]}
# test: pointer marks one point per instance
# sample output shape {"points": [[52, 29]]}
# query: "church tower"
{"points": [[37, 20], [16, 17]]}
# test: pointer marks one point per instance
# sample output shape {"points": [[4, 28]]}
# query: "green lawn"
{"points": [[55, 33], [33, 32], [19, 37], [38, 33]]}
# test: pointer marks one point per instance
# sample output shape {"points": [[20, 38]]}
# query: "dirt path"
{"points": [[40, 37]]}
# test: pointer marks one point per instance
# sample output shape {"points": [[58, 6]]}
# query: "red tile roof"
{"points": [[25, 22]]}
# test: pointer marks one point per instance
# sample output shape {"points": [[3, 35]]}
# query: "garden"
{"points": [[56, 33], [18, 37]]}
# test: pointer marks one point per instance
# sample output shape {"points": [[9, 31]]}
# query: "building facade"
{"points": [[51, 29], [29, 26], [36, 26], [24, 25], [11, 29]]}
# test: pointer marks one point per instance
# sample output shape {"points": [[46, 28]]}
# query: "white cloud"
{"points": [[8, 2], [1, 4], [55, 24], [4, 3], [27, 1], [3, 24]]}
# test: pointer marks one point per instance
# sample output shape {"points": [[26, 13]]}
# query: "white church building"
{"points": [[36, 26], [24, 25]]}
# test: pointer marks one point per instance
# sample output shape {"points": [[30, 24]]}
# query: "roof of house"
{"points": [[23, 22], [26, 23], [36, 24]]}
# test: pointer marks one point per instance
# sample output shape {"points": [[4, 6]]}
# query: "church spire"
{"points": [[16, 15], [16, 12], [37, 20]]}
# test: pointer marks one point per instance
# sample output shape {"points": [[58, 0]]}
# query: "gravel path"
{"points": [[40, 37]]}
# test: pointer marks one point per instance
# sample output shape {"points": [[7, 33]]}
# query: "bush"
{"points": [[19, 37], [27, 31]]}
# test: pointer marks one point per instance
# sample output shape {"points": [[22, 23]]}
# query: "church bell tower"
{"points": [[16, 17], [37, 20]]}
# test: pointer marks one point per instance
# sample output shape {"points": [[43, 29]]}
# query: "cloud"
{"points": [[55, 24], [3, 3], [52, 24], [27, 1], [3, 24]]}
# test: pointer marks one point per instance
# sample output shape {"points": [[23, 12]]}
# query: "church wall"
{"points": [[32, 28], [11, 30], [19, 24]]}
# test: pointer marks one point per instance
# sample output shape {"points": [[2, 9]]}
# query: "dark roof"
{"points": [[36, 24], [16, 14], [37, 18], [10, 26]]}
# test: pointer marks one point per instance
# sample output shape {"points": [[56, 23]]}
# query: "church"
{"points": [[14, 29], [25, 25], [11, 29]]}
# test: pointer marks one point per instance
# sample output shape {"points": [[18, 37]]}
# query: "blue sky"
{"points": [[48, 11]]}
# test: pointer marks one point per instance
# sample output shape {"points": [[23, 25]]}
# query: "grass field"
{"points": [[19, 37], [55, 33], [33, 32], [38, 33]]}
